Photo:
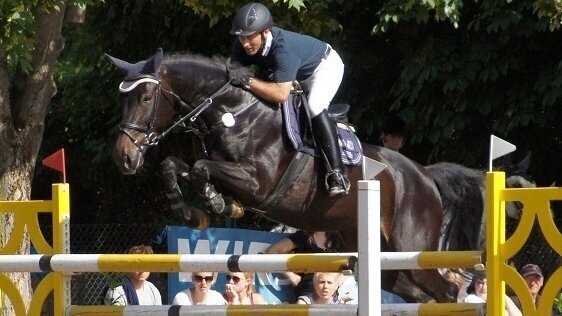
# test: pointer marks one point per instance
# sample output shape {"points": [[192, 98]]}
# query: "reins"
{"points": [[194, 114], [152, 138]]}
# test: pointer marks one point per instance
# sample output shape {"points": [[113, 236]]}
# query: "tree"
{"points": [[30, 44]]}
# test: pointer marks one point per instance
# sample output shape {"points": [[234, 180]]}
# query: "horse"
{"points": [[241, 155]]}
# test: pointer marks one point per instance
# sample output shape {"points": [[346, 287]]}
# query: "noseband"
{"points": [[151, 137]]}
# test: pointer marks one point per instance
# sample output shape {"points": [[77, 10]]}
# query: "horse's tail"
{"points": [[462, 197]]}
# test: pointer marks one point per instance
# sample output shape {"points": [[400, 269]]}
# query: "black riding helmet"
{"points": [[251, 18]]}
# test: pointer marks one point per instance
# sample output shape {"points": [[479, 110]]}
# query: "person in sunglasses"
{"points": [[239, 289], [201, 292]]}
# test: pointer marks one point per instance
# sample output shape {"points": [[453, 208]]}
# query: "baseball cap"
{"points": [[530, 269]]}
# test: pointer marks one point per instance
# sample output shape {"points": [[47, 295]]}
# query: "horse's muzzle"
{"points": [[127, 158]]}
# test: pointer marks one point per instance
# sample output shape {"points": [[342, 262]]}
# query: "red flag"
{"points": [[56, 161]]}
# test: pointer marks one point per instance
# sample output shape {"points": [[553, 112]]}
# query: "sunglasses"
{"points": [[199, 279], [232, 277]]}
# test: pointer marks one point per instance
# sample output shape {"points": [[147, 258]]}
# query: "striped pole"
{"points": [[283, 309], [217, 310], [333, 262], [305, 263]]}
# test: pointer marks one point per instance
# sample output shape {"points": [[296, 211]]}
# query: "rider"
{"points": [[289, 56]]}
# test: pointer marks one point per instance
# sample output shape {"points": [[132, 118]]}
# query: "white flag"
{"points": [[371, 168], [498, 148]]}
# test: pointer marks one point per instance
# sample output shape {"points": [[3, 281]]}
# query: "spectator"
{"points": [[134, 289], [478, 293], [201, 292], [532, 274], [325, 289], [305, 242], [239, 289], [393, 133]]}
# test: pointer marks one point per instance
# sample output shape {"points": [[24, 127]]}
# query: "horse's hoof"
{"points": [[236, 210], [198, 219]]}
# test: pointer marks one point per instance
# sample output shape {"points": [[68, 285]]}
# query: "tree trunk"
{"points": [[23, 106], [15, 185]]}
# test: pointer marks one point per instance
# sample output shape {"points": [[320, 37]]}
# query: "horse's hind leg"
{"points": [[433, 283], [399, 283], [194, 217]]}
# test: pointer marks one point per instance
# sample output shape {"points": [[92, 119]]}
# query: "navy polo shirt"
{"points": [[292, 56]]}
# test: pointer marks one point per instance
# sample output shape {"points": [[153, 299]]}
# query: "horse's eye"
{"points": [[147, 99]]}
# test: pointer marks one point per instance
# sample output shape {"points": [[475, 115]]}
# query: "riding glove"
{"points": [[240, 77]]}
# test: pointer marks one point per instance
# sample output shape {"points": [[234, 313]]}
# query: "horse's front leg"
{"points": [[194, 217], [238, 178]]}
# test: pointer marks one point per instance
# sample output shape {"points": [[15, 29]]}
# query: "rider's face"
{"points": [[251, 43]]}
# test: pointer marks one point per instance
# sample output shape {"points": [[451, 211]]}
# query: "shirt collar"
{"points": [[268, 41]]}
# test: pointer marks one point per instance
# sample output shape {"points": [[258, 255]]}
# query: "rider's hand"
{"points": [[238, 75]]}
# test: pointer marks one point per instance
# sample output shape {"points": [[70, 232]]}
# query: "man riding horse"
{"points": [[287, 56]]}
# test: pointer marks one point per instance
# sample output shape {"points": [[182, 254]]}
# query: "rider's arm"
{"points": [[276, 92], [285, 245]]}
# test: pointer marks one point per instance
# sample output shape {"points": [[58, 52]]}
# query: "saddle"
{"points": [[297, 129]]}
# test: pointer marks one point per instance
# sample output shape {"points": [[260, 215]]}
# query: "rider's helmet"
{"points": [[251, 18]]}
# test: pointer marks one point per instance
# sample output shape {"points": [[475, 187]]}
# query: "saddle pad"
{"points": [[293, 119]]}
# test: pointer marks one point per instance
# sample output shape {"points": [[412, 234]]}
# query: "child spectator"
{"points": [[134, 289]]}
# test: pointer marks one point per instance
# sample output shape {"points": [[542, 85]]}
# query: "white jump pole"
{"points": [[368, 227]]}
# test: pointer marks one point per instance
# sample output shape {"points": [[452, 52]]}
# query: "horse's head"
{"points": [[145, 111], [517, 177]]}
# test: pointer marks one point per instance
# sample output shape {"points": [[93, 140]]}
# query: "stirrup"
{"points": [[340, 186]]}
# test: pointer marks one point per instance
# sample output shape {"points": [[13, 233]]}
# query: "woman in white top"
{"points": [[478, 293], [201, 292], [135, 289], [326, 285]]}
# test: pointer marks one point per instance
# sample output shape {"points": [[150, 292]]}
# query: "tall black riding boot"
{"points": [[324, 131]]}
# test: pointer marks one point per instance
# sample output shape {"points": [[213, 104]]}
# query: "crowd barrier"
{"points": [[58, 262]]}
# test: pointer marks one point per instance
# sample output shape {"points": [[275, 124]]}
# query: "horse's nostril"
{"points": [[127, 162]]}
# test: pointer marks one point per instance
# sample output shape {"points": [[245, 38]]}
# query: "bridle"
{"points": [[151, 136]]}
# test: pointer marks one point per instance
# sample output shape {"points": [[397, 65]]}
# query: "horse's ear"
{"points": [[121, 64], [524, 164], [158, 59], [144, 68], [507, 163]]}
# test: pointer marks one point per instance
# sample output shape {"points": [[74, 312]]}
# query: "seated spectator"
{"points": [[532, 274], [201, 292], [239, 289], [393, 133], [134, 288], [478, 293], [326, 285], [305, 242]]}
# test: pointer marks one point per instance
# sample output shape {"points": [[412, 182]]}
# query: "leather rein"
{"points": [[151, 137]]}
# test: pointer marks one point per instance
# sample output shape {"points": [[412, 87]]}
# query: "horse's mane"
{"points": [[215, 63]]}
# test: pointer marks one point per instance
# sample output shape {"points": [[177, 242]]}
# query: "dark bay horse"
{"points": [[242, 155]]}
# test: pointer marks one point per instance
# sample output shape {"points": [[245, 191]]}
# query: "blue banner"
{"points": [[274, 287]]}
